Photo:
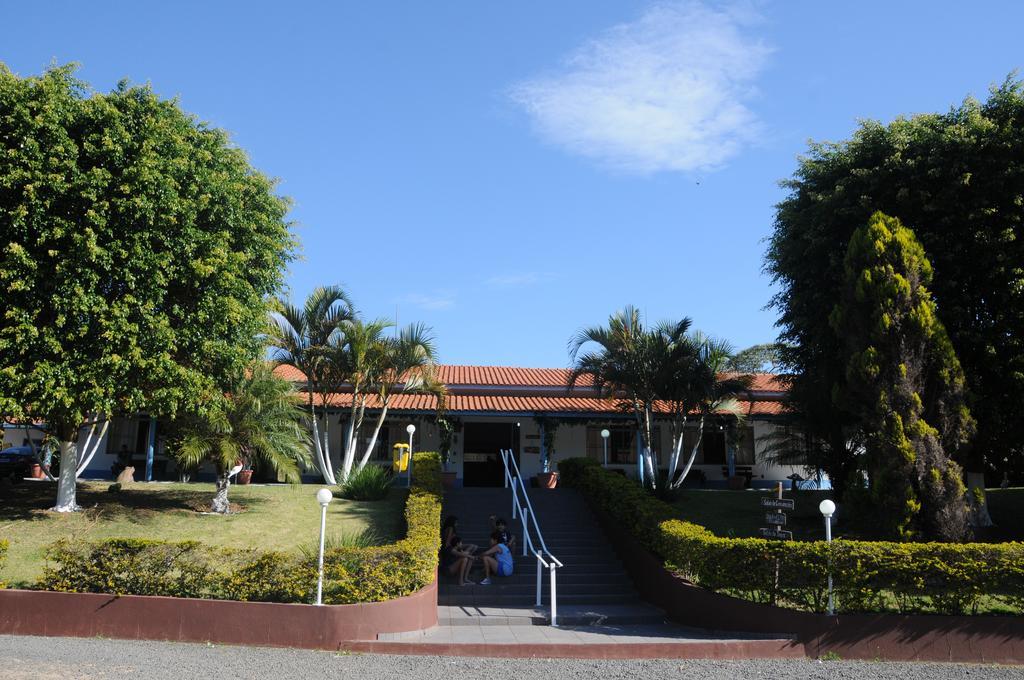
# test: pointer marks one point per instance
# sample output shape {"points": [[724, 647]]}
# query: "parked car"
{"points": [[16, 462]]}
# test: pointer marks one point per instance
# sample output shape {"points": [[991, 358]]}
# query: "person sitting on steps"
{"points": [[457, 559], [448, 529], [507, 537], [497, 560]]}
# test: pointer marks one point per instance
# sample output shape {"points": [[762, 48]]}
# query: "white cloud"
{"points": [[435, 301], [668, 91], [517, 280]]}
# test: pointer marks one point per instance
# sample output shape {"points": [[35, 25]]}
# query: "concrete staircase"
{"points": [[592, 586]]}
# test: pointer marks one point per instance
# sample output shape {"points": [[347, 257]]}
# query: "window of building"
{"points": [[745, 446], [712, 446]]}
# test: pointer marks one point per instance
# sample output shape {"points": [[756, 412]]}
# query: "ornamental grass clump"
{"points": [[371, 483]]}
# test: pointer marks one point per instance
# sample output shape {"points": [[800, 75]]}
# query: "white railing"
{"points": [[523, 509]]}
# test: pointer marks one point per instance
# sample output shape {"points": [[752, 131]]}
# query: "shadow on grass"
{"points": [[32, 500], [385, 517]]}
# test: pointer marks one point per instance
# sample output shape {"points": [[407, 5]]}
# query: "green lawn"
{"points": [[739, 514], [281, 517]]}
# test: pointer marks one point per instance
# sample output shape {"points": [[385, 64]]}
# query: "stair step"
{"points": [[467, 599], [530, 577], [568, 615]]}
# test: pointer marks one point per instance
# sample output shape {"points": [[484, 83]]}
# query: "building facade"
{"points": [[529, 411]]}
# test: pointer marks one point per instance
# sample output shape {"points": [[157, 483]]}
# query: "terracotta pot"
{"points": [[244, 476], [37, 471], [448, 480], [547, 480]]}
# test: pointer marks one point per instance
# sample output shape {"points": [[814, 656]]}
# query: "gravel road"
{"points": [[36, 658]]}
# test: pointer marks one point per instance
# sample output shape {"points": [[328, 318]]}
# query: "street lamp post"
{"points": [[324, 497], [411, 429], [604, 436], [828, 508]]}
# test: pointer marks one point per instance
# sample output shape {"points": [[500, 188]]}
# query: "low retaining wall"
{"points": [[989, 639], [135, 617]]}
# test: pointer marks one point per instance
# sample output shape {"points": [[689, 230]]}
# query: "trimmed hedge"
{"points": [[869, 576], [571, 470], [193, 569]]}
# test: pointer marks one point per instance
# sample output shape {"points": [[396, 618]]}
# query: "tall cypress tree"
{"points": [[904, 381]]}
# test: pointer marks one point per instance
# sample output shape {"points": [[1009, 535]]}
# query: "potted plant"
{"points": [[245, 474], [447, 427], [548, 429]]}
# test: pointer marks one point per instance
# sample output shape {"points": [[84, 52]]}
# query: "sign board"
{"points": [[776, 533], [781, 503], [775, 518]]}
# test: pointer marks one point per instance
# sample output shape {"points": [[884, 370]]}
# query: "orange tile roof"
{"points": [[518, 380], [466, 403], [514, 376]]}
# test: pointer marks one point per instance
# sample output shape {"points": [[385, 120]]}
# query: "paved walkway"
{"points": [[37, 658], [523, 633]]}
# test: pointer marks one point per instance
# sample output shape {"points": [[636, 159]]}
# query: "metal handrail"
{"points": [[552, 563]]}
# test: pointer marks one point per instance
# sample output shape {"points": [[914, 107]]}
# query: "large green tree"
{"points": [[957, 179], [903, 381], [137, 249]]}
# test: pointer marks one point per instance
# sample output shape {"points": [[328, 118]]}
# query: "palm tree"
{"points": [[260, 420], [408, 363], [358, 354], [302, 338], [706, 388], [627, 365]]}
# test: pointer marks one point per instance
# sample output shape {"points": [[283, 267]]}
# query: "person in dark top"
{"points": [[457, 559], [506, 537]]}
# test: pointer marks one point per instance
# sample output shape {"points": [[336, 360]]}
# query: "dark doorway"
{"points": [[481, 460]]}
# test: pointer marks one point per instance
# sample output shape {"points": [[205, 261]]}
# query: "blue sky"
{"points": [[510, 172]]}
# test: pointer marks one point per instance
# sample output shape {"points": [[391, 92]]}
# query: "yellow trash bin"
{"points": [[399, 458]]}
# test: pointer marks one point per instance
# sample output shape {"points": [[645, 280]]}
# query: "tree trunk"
{"points": [[977, 500], [693, 453], [220, 499], [648, 453], [66, 501], [88, 453], [373, 440], [357, 424]]}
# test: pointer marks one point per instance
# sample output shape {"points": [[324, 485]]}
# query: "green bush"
{"points": [[192, 569], [570, 470], [371, 483], [945, 578]]}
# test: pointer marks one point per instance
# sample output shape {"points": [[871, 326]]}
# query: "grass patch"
{"points": [[738, 514], [278, 517]]}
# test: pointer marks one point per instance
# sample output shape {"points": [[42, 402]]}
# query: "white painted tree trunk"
{"points": [[220, 499], [693, 454], [355, 424], [328, 464], [322, 464], [87, 453], [373, 440], [977, 500], [677, 449], [66, 500], [649, 451]]}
